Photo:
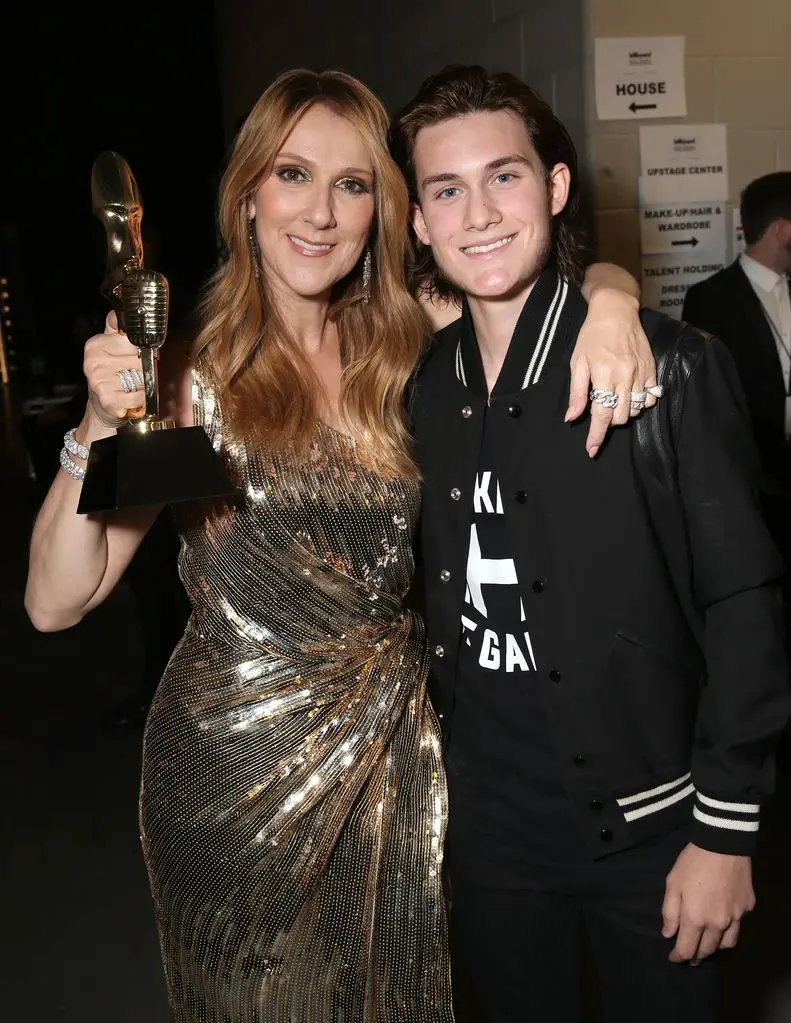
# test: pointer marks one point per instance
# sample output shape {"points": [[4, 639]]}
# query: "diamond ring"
{"points": [[604, 397], [131, 380]]}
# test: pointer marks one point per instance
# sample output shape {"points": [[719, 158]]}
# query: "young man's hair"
{"points": [[764, 201], [458, 90]]}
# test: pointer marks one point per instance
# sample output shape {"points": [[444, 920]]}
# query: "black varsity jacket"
{"points": [[654, 580]]}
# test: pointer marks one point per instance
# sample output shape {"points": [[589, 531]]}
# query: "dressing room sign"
{"points": [[687, 227], [666, 279], [640, 77], [683, 163]]}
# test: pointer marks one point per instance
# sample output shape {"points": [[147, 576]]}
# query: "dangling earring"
{"points": [[367, 277], [254, 254]]}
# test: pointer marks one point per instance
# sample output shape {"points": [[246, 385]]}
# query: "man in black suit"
{"points": [[575, 605], [748, 307]]}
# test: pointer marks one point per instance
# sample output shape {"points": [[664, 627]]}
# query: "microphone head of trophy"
{"points": [[149, 461], [144, 302]]}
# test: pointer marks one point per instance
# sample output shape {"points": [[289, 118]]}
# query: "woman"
{"points": [[293, 797]]}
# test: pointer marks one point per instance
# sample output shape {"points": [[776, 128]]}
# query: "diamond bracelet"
{"points": [[77, 472], [74, 447]]}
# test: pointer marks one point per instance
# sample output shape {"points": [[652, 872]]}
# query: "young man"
{"points": [[575, 606]]}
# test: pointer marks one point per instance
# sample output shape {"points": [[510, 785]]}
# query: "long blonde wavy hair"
{"points": [[263, 378]]}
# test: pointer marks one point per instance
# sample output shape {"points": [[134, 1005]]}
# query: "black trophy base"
{"points": [[133, 470]]}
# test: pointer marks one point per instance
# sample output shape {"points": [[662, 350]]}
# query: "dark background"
{"points": [[138, 78]]}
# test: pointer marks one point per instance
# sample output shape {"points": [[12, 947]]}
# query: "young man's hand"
{"points": [[706, 896]]}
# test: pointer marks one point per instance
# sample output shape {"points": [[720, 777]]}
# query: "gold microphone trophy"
{"points": [[149, 461]]}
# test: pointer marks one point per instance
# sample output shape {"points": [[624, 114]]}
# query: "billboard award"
{"points": [[149, 461]]}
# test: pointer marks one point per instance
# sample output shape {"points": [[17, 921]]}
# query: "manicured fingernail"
{"points": [[593, 451]]}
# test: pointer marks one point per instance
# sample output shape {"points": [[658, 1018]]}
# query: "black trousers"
{"points": [[519, 953]]}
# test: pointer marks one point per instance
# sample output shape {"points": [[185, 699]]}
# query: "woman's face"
{"points": [[313, 214]]}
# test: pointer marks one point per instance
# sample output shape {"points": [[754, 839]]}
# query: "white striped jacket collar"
{"points": [[540, 324]]}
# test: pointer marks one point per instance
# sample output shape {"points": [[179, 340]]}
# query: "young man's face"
{"points": [[485, 205]]}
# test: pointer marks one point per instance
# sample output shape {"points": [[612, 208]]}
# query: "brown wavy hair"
{"points": [[263, 378], [458, 90]]}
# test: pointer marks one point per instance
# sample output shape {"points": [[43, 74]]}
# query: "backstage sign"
{"points": [[684, 163], [640, 77], [692, 227], [666, 279]]}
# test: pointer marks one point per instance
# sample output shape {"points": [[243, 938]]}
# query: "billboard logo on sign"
{"points": [[684, 145], [639, 59]]}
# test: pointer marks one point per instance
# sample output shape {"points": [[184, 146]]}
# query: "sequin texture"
{"points": [[293, 801]]}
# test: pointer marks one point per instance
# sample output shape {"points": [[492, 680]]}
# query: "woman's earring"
{"points": [[254, 254], [367, 277]]}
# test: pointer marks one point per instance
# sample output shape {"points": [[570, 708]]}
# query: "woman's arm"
{"points": [[76, 560], [612, 351], [609, 277]]}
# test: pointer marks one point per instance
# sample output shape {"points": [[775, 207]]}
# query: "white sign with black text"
{"points": [[666, 279], [684, 163], [693, 227], [640, 77]]}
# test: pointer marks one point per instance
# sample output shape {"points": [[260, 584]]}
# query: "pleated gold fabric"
{"points": [[293, 801]]}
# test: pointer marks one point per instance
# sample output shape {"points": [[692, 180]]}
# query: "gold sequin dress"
{"points": [[293, 799]]}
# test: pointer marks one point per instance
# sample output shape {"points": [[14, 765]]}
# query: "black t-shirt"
{"points": [[508, 807]]}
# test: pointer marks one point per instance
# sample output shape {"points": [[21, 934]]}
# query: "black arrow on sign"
{"points": [[686, 241], [634, 107]]}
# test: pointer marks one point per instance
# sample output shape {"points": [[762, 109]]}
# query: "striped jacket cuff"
{"points": [[653, 800], [724, 826]]}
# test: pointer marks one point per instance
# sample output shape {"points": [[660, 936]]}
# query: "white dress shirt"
{"points": [[772, 291]]}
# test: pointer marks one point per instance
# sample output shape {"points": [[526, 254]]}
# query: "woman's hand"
{"points": [[613, 354], [106, 356]]}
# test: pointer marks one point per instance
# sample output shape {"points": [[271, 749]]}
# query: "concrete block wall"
{"points": [[738, 71], [394, 44]]}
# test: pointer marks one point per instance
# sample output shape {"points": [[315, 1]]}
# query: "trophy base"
{"points": [[136, 469]]}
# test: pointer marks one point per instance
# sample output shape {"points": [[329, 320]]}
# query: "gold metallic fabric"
{"points": [[293, 802]]}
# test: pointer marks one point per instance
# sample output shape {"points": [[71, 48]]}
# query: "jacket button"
{"points": [[455, 494], [521, 496], [514, 411], [597, 806], [555, 676], [444, 575], [606, 835], [580, 760], [466, 411], [537, 586], [439, 650]]}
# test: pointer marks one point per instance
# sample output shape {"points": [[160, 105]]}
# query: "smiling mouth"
{"points": [[481, 250], [303, 243]]}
